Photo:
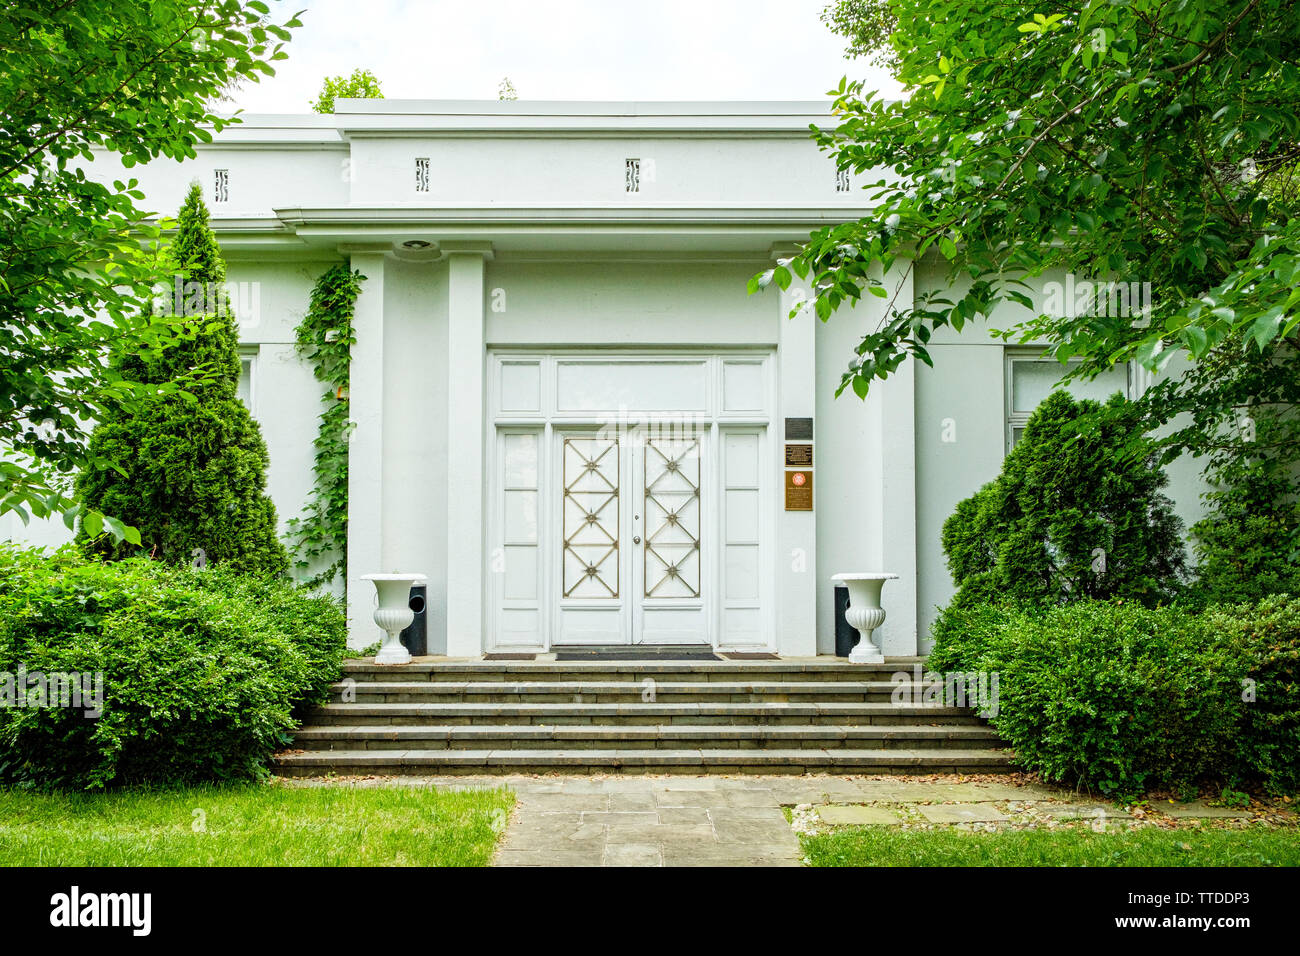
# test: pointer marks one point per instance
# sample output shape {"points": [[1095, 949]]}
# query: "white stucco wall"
{"points": [[579, 169], [273, 161], [689, 301], [961, 421], [286, 396], [415, 430], [864, 473]]}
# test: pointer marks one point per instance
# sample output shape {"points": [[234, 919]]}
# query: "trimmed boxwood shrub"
{"points": [[1117, 696], [1267, 746], [202, 669], [1124, 699], [962, 634]]}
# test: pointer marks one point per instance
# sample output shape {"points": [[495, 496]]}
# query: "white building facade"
{"points": [[568, 412]]}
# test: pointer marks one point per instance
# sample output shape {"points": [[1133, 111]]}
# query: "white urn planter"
{"points": [[864, 611], [394, 614]]}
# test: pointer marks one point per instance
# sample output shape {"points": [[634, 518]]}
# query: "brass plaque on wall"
{"points": [[798, 429], [798, 456], [798, 491]]}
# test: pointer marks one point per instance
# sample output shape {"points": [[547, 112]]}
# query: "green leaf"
{"points": [[1265, 329], [1196, 339]]}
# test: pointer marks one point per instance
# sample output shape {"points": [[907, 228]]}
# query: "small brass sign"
{"points": [[798, 429], [798, 456], [798, 491]]}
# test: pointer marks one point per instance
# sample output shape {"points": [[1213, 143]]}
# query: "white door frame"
{"points": [[522, 401], [618, 608]]}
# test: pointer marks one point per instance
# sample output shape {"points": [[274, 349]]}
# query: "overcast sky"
{"points": [[563, 50]]}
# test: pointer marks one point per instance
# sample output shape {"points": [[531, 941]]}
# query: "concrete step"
{"points": [[786, 716], [366, 670], [647, 736], [620, 760], [649, 690], [814, 712]]}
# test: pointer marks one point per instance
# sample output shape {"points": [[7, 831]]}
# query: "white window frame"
{"points": [[1017, 419], [250, 354]]}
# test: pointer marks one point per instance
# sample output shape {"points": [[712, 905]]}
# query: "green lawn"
{"points": [[889, 846], [256, 825]]}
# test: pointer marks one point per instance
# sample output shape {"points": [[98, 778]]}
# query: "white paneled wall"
{"points": [[518, 565], [742, 527]]}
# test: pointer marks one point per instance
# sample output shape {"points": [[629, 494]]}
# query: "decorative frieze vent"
{"points": [[422, 174], [632, 175], [841, 180], [220, 185]]}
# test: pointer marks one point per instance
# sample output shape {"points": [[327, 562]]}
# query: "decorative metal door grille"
{"points": [[672, 518], [591, 518]]}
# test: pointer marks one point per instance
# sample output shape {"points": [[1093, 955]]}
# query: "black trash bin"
{"points": [[416, 636], [846, 635]]}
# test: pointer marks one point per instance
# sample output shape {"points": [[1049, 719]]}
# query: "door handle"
{"points": [[636, 539]]}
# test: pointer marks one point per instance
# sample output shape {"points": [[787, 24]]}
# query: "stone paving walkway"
{"points": [[649, 821], [742, 820]]}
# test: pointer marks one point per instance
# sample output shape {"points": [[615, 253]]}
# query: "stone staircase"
{"points": [[485, 717]]}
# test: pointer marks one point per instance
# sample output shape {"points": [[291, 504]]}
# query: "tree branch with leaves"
{"points": [[76, 268]]}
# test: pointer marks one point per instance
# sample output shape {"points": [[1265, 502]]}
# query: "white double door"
{"points": [[634, 523]]}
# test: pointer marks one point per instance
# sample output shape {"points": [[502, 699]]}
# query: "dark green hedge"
{"points": [[1124, 698], [202, 669]]}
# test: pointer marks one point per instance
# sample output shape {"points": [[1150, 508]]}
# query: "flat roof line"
{"points": [[583, 107]]}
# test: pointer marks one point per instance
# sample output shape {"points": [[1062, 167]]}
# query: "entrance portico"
{"points": [[614, 466]]}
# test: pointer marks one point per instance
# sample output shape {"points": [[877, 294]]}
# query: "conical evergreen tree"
{"points": [[195, 464], [1078, 512]]}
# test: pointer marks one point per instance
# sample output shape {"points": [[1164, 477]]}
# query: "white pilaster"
{"points": [[866, 508], [893, 403], [466, 357], [366, 448], [796, 554]]}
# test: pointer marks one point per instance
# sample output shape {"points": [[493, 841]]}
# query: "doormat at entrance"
{"points": [[509, 657], [751, 656], [660, 653]]}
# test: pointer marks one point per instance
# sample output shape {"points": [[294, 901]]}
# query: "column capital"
{"points": [[473, 247]]}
